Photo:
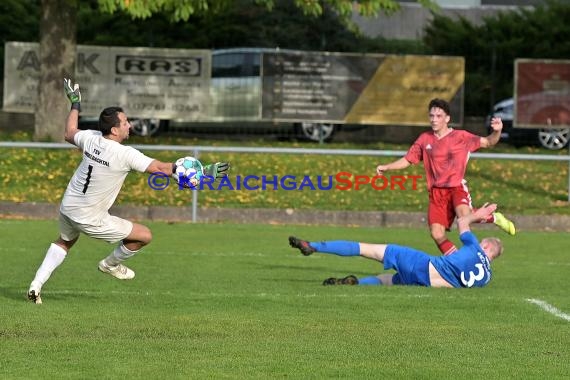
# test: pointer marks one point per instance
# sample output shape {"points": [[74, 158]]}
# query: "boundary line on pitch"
{"points": [[549, 308]]}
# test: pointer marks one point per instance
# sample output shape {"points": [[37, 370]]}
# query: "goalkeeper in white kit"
{"points": [[93, 189]]}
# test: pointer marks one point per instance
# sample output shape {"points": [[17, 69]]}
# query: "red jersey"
{"points": [[445, 159]]}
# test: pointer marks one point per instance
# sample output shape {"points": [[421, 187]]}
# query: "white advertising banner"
{"points": [[146, 82]]}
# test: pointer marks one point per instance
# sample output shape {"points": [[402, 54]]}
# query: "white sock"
{"points": [[54, 257], [119, 254]]}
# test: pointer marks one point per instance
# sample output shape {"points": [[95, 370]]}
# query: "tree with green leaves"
{"points": [[58, 38]]}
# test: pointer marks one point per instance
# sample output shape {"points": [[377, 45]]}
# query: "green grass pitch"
{"points": [[235, 301]]}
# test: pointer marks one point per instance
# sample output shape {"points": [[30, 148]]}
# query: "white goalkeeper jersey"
{"points": [[97, 181]]}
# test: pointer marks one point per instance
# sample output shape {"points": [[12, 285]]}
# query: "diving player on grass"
{"points": [[470, 266]]}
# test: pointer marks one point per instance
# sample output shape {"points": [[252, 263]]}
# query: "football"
{"points": [[189, 170]]}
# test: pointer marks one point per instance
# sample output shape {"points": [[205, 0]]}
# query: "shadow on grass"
{"points": [[319, 273], [17, 294]]}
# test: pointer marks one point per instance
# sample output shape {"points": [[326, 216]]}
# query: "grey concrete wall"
{"points": [[382, 219]]}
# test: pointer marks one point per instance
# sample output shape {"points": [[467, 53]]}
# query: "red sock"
{"points": [[446, 247]]}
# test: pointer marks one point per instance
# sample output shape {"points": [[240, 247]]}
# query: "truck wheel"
{"points": [[315, 131]]}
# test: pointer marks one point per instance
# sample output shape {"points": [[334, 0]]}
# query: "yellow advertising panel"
{"points": [[402, 87], [359, 88]]}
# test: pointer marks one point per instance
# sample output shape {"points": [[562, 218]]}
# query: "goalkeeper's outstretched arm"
{"points": [[159, 166], [217, 170]]}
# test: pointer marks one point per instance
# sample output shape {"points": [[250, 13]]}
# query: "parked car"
{"points": [[236, 93], [549, 138]]}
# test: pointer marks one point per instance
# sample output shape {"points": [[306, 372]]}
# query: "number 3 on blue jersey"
{"points": [[472, 276]]}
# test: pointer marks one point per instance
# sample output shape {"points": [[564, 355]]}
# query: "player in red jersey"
{"points": [[445, 152]]}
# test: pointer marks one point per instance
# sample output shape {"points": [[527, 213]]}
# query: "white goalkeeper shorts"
{"points": [[111, 229]]}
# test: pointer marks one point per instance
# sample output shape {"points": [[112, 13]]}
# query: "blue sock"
{"points": [[337, 247], [372, 280]]}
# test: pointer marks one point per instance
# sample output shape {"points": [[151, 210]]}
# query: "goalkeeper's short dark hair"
{"points": [[439, 103], [108, 119]]}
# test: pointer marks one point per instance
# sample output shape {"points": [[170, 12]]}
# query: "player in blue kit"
{"points": [[467, 267]]}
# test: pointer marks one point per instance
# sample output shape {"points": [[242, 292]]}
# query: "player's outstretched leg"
{"points": [[503, 223], [334, 247], [348, 280], [302, 245]]}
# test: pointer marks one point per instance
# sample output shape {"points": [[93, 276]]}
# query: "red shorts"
{"points": [[443, 201]]}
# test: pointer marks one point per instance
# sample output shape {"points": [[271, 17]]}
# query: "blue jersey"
{"points": [[467, 267]]}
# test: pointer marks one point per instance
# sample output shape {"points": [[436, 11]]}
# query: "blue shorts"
{"points": [[412, 265]]}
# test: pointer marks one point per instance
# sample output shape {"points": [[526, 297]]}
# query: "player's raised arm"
{"points": [[72, 123], [493, 138]]}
